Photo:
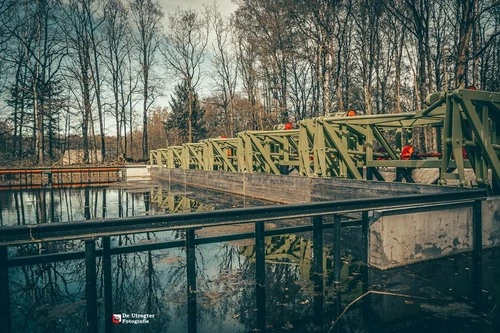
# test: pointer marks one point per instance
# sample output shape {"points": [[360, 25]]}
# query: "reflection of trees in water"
{"points": [[139, 287], [52, 295], [48, 297], [222, 280], [155, 282], [69, 204], [288, 289], [289, 296], [47, 248], [177, 199], [21, 218]]}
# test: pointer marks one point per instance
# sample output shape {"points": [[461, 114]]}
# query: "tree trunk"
{"points": [[87, 107], [97, 84], [190, 112], [397, 66], [465, 31], [38, 114], [145, 144], [475, 46]]}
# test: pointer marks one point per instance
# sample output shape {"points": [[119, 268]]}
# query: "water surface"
{"points": [[453, 294]]}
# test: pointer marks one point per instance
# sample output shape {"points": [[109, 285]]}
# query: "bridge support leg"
{"points": [[260, 275], [91, 285], [191, 280], [318, 271], [4, 291]]}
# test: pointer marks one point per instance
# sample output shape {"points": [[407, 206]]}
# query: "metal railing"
{"points": [[91, 231], [58, 177]]}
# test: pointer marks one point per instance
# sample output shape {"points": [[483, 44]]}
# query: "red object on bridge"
{"points": [[407, 152]]}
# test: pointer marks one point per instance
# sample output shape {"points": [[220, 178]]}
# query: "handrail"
{"points": [[27, 234], [41, 177], [59, 170]]}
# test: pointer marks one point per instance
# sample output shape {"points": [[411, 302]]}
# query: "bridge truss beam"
{"points": [[464, 124]]}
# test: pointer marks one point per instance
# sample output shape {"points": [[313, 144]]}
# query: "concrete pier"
{"points": [[136, 172], [401, 237]]}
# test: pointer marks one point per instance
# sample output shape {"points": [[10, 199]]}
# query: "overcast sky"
{"points": [[225, 6]]}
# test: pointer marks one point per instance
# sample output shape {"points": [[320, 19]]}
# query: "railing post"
{"points": [[260, 275], [91, 285], [365, 229], [318, 271], [191, 280], [337, 264], [108, 288], [365, 249], [4, 291]]}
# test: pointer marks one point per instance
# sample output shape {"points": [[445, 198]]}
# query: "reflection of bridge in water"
{"points": [[177, 202], [295, 250]]}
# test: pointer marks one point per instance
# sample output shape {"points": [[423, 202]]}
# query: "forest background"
{"points": [[118, 78]]}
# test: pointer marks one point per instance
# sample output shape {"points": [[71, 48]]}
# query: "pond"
{"points": [[456, 294]]}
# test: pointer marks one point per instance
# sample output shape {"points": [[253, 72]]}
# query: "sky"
{"points": [[225, 6]]}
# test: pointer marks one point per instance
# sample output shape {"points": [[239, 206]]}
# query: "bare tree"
{"points": [[146, 17], [7, 10], [15, 57], [79, 39], [300, 78], [324, 24], [36, 52], [415, 16], [266, 24], [187, 40], [226, 67], [466, 18], [117, 49], [367, 27], [487, 51], [95, 20], [247, 64]]}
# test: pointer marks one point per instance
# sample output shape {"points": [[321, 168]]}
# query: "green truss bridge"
{"points": [[465, 125]]}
